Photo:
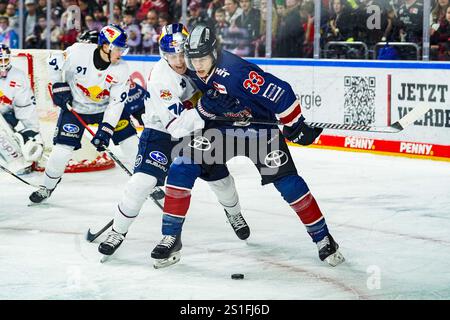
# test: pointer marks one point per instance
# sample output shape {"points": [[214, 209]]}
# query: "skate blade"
{"points": [[163, 263], [105, 258], [39, 204], [335, 259]]}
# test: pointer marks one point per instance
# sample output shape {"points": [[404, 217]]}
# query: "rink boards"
{"points": [[364, 92]]}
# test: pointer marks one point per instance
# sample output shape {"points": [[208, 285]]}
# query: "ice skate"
{"points": [[167, 252], [110, 245], [328, 251], [40, 195], [239, 225]]}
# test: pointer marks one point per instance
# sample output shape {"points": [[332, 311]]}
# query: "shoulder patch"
{"points": [[165, 94]]}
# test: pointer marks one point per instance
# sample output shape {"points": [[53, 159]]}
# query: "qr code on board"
{"points": [[359, 100]]}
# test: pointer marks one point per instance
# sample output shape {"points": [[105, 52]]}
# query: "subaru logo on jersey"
{"points": [[138, 161], [71, 128], [200, 143], [276, 159], [159, 157]]}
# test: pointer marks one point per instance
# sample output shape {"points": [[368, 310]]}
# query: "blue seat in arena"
{"points": [[388, 53]]}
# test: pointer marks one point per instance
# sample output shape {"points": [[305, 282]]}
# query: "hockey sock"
{"points": [[295, 191], [129, 150], [56, 164], [171, 225], [226, 193], [136, 191]]}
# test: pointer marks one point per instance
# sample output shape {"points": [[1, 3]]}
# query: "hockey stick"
{"points": [[398, 126], [92, 236], [155, 195], [17, 177]]}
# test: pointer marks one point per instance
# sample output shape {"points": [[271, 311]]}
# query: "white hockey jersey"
{"points": [[172, 99], [16, 94], [94, 91]]}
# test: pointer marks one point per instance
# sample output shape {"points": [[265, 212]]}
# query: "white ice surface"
{"points": [[390, 215]]}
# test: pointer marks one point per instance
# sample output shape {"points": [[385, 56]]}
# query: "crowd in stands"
{"points": [[240, 24]]}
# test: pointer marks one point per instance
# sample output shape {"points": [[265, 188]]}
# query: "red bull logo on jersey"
{"points": [[95, 93], [4, 99], [165, 94]]}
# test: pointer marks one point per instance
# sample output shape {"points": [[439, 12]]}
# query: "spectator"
{"points": [[221, 25], [307, 17], [91, 24], [161, 6], [99, 16], [261, 42], [163, 19], [150, 31], [341, 24], [438, 13], [410, 21], [30, 20], [250, 19], [213, 6], [133, 6], [197, 15], [440, 40], [369, 32], [3, 4], [13, 16], [7, 34], [290, 35], [232, 11]]}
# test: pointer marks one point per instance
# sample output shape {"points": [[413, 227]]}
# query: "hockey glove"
{"points": [[61, 94], [102, 137], [215, 104], [301, 133], [31, 144]]}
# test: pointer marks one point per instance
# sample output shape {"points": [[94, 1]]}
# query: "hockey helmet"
{"points": [[200, 43], [5, 63], [115, 36], [172, 39]]}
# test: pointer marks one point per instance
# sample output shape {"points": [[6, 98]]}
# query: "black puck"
{"points": [[237, 276]]}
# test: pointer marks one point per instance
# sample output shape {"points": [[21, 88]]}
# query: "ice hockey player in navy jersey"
{"points": [[236, 88]]}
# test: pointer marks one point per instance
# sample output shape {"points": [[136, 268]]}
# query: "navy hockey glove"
{"points": [[301, 133], [102, 137], [215, 104], [61, 94]]}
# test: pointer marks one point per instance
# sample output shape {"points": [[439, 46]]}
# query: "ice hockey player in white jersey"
{"points": [[169, 115], [94, 80], [20, 141]]}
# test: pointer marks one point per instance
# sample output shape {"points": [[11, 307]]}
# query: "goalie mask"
{"points": [[5, 64]]}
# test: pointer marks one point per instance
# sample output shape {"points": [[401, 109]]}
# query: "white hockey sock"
{"points": [[56, 164], [136, 191], [226, 193], [129, 150]]}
